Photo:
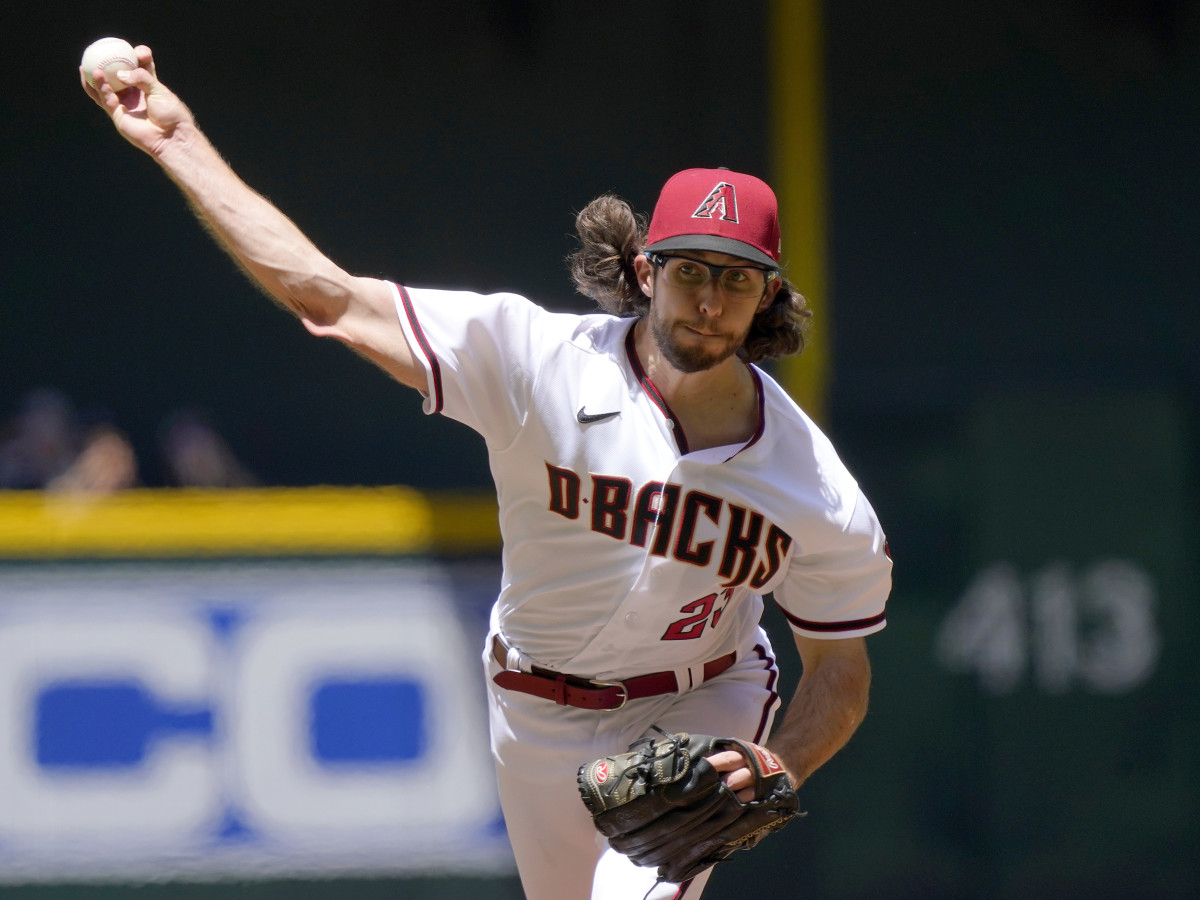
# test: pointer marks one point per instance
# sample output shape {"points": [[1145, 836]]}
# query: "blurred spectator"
{"points": [[40, 443], [104, 465], [49, 445], [194, 455]]}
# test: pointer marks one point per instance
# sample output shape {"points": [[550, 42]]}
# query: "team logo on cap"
{"points": [[721, 200]]}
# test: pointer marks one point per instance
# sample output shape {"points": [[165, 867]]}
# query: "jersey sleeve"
{"points": [[840, 589], [479, 352]]}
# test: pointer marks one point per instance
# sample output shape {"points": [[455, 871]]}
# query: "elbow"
{"points": [[322, 329], [319, 309]]}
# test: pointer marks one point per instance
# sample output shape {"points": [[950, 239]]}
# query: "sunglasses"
{"points": [[692, 274]]}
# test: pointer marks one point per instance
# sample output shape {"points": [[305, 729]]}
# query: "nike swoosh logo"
{"points": [[586, 418]]}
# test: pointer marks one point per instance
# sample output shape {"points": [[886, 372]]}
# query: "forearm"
{"points": [[264, 242], [829, 705]]}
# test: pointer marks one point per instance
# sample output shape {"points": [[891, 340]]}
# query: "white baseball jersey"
{"points": [[624, 551]]}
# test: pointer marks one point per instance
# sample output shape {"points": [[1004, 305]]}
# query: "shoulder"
{"points": [[599, 333], [790, 425], [462, 304], [803, 459], [504, 306]]}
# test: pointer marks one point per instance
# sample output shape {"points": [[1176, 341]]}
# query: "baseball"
{"points": [[111, 54]]}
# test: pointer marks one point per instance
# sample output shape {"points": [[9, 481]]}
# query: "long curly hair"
{"points": [[612, 235]]}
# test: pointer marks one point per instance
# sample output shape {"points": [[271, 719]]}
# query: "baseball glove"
{"points": [[663, 804]]}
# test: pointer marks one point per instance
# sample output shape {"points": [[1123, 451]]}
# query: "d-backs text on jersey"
{"points": [[662, 512]]}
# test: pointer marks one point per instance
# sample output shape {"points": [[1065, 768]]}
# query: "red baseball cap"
{"points": [[718, 210]]}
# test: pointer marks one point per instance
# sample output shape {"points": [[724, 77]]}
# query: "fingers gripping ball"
{"points": [[663, 804], [113, 55]]}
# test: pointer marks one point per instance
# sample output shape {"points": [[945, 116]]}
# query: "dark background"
{"points": [[1013, 196], [445, 144], [1016, 361]]}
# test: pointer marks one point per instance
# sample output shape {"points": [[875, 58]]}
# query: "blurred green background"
{"points": [[1011, 314]]}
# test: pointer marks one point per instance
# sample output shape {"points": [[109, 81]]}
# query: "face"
{"points": [[699, 321]]}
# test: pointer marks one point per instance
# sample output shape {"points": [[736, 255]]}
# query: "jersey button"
{"points": [[631, 619]]}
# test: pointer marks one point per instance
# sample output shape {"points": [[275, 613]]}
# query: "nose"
{"points": [[712, 299]]}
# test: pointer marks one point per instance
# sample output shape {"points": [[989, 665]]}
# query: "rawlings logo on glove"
{"points": [[663, 804]]}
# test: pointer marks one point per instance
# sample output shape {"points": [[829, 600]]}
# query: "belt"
{"points": [[571, 690]]}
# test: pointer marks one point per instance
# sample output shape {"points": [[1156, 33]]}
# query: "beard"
{"points": [[688, 359]]}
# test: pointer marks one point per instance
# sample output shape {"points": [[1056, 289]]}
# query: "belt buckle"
{"points": [[624, 694]]}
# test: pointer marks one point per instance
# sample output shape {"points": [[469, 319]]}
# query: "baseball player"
{"points": [[653, 484]]}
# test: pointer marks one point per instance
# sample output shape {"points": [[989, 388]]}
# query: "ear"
{"points": [[769, 296], [644, 270]]}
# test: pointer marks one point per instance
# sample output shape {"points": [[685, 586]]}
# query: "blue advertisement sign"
{"points": [[239, 721]]}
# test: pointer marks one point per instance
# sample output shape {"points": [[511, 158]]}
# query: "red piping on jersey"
{"points": [[762, 413], [652, 392], [773, 699], [834, 626], [676, 427], [683, 889], [435, 368]]}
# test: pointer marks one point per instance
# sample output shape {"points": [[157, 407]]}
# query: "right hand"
{"points": [[144, 111]]}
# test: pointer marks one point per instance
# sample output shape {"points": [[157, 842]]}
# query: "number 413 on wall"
{"points": [[1094, 629]]}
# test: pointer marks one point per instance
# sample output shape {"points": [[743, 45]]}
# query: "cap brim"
{"points": [[716, 244]]}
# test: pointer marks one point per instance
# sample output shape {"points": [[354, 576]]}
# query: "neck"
{"points": [[716, 406]]}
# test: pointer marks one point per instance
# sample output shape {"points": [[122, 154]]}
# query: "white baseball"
{"points": [[113, 55]]}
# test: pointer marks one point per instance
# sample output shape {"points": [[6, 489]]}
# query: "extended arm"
{"points": [[828, 706], [264, 242]]}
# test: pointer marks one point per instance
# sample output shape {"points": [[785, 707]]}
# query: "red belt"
{"points": [[571, 690]]}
